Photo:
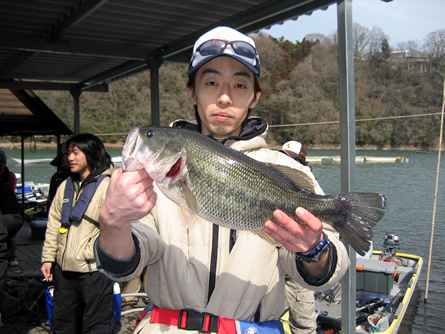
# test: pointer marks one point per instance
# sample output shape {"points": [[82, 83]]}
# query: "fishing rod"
{"points": [[399, 295], [361, 314]]}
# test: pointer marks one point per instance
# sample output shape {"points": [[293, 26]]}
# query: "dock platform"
{"points": [[358, 159]]}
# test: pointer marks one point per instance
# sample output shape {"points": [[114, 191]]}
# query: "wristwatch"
{"points": [[317, 253]]}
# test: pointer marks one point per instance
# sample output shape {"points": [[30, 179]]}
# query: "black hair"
{"points": [[98, 158], [191, 84]]}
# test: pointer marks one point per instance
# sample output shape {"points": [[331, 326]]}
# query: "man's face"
{"points": [[223, 94], [78, 161], [2, 163]]}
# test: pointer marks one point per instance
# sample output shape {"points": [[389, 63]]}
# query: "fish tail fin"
{"points": [[361, 211]]}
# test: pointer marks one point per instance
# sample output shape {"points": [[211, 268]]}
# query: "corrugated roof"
{"points": [[60, 44]]}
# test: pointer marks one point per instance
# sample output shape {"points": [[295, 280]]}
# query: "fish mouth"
{"points": [[162, 165], [167, 172], [129, 149], [175, 169]]}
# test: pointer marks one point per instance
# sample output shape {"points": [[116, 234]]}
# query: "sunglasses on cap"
{"points": [[216, 46]]}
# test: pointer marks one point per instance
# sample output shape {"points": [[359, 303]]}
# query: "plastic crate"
{"points": [[375, 275]]}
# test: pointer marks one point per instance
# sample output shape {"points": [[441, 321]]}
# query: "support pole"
{"points": [[154, 64], [23, 175], [75, 93], [435, 193], [347, 132]]}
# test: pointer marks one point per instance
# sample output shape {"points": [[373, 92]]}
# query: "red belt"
{"points": [[192, 320]]}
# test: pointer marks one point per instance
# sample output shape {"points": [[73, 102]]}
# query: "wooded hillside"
{"points": [[301, 87]]}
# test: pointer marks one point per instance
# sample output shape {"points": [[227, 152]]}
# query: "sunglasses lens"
{"points": [[212, 47], [216, 46], [244, 49]]}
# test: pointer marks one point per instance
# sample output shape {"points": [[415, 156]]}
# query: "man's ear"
{"points": [[255, 100], [191, 92]]}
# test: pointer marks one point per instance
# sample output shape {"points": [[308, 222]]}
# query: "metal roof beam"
{"points": [[41, 85], [19, 42], [82, 12], [122, 71], [23, 58], [266, 14]]}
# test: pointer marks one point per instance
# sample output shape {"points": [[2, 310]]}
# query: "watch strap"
{"points": [[317, 253]]}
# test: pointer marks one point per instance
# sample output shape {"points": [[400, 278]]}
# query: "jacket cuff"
{"points": [[319, 281], [114, 267]]}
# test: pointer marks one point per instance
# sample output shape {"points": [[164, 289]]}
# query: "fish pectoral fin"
{"points": [[186, 218], [301, 179], [265, 236], [190, 199]]}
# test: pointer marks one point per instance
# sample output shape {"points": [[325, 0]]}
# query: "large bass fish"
{"points": [[233, 190]]}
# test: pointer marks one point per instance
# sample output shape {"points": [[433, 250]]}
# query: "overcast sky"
{"points": [[401, 20]]}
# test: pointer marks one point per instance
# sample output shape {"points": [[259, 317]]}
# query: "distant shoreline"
{"points": [[10, 145]]}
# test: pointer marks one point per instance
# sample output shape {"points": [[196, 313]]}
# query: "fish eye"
{"points": [[150, 133]]}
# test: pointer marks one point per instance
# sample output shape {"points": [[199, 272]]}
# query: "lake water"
{"points": [[409, 188]]}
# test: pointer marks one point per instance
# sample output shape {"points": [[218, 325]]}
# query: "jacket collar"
{"points": [[93, 176]]}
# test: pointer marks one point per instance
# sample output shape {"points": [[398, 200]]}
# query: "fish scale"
{"points": [[230, 189], [236, 201]]}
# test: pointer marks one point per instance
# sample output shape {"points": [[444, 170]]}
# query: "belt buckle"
{"points": [[211, 325], [193, 320], [190, 320]]}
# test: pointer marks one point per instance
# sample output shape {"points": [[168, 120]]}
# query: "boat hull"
{"points": [[384, 290]]}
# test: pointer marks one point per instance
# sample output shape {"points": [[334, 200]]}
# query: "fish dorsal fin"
{"points": [[189, 197], [298, 177]]}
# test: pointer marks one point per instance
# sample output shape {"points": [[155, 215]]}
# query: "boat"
{"points": [[384, 159], [33, 197], [385, 283], [31, 187], [31, 161]]}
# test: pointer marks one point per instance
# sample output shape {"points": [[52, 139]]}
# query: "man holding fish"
{"points": [[191, 229]]}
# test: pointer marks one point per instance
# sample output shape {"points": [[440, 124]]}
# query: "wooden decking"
{"points": [[29, 251], [28, 254], [17, 319]]}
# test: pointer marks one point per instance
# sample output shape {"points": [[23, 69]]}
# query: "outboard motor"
{"points": [[391, 243]]}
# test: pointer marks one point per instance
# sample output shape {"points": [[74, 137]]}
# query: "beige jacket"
{"points": [[177, 261], [72, 250]]}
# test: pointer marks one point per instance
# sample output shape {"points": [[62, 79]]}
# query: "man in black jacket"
{"points": [[11, 219], [3, 260]]}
